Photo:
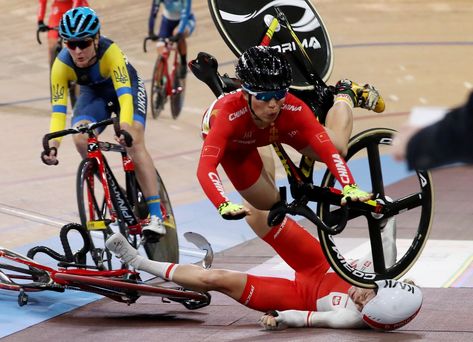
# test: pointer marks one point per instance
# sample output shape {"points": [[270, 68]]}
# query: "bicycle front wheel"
{"points": [[167, 248], [158, 87], [93, 211], [391, 245]]}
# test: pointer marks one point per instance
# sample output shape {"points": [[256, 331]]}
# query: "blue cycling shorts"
{"points": [[97, 103], [168, 26]]}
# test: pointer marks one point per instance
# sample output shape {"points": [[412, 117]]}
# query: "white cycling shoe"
{"points": [[153, 231], [119, 246]]}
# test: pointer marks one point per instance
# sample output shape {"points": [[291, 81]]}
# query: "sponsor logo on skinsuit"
{"points": [[341, 168], [217, 183]]}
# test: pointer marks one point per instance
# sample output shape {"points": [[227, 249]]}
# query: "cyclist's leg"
{"points": [[145, 170], [165, 31], [259, 293], [182, 45], [339, 125], [144, 167], [255, 184], [297, 247], [258, 218], [339, 120]]}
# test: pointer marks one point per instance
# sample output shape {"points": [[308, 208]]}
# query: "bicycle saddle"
{"points": [[204, 67]]}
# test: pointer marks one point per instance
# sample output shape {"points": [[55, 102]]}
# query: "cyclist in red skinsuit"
{"points": [[238, 124], [237, 137], [58, 8], [316, 297]]}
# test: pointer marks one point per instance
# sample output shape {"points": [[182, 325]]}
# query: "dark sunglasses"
{"points": [[81, 44], [268, 95]]}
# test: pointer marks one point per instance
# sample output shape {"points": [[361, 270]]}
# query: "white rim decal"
{"points": [[308, 22]]}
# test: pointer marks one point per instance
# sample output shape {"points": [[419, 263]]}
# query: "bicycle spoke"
{"points": [[377, 250], [407, 203], [377, 183]]}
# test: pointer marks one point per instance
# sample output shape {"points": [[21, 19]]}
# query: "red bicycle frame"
{"points": [[120, 285], [96, 154], [169, 46], [55, 275]]}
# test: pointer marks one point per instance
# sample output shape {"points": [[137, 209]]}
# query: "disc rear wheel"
{"points": [[167, 249]]}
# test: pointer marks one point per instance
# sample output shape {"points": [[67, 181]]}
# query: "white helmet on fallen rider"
{"points": [[395, 304]]}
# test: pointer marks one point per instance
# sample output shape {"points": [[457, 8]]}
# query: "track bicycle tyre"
{"points": [[129, 286], [167, 248], [158, 87], [87, 183], [372, 141], [177, 99]]}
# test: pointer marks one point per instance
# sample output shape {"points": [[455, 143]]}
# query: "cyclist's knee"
{"points": [[339, 139], [216, 279], [262, 202], [137, 131], [80, 141], [258, 221], [160, 47]]}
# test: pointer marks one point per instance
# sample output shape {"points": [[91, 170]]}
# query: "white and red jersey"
{"points": [[332, 294]]}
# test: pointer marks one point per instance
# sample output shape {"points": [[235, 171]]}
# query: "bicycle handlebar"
{"points": [[167, 40], [299, 207], [87, 129], [43, 29]]}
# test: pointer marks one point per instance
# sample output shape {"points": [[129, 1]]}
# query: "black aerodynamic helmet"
{"points": [[261, 68]]}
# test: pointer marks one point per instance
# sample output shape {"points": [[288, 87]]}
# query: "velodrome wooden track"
{"points": [[416, 52]]}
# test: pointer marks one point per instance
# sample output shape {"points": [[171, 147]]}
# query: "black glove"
{"points": [[42, 27]]}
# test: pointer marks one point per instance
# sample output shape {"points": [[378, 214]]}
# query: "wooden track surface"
{"points": [[416, 52]]}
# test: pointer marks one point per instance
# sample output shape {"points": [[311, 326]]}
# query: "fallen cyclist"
{"points": [[317, 297]]}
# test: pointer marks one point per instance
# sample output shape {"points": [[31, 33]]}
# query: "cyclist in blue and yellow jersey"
{"points": [[177, 19], [108, 83]]}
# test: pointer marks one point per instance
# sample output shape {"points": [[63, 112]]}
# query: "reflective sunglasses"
{"points": [[81, 44], [268, 95]]}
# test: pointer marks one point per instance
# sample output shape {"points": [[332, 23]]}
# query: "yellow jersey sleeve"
{"points": [[61, 73], [114, 65]]}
